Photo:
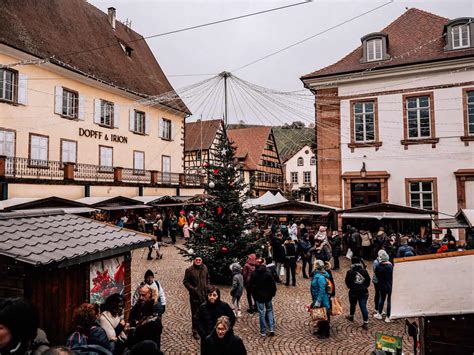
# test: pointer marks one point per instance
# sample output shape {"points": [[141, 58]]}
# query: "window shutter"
{"points": [[82, 106], [23, 89], [147, 125], [116, 115], [97, 107], [58, 103], [172, 129], [160, 128], [131, 120]]}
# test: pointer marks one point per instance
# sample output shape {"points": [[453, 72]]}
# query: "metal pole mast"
{"points": [[225, 75]]}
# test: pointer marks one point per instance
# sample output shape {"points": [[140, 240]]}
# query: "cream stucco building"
{"points": [[82, 110]]}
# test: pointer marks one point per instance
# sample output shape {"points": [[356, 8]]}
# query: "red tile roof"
{"points": [[249, 143], [406, 34], [46, 28], [200, 135]]}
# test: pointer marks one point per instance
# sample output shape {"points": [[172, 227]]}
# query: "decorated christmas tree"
{"points": [[222, 229]]}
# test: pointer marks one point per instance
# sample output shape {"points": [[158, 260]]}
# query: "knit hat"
{"points": [[149, 273], [319, 264], [384, 256], [404, 240], [380, 252]]}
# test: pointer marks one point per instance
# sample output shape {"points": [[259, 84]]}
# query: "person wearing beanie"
{"points": [[384, 273], [196, 280], [321, 297], [237, 287], [19, 323], [358, 281], [149, 279]]}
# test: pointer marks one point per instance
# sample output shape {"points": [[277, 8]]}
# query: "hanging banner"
{"points": [[106, 278]]}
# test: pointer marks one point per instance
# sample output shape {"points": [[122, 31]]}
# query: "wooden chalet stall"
{"points": [[438, 290], [60, 260], [396, 218], [45, 204], [310, 213], [463, 221]]}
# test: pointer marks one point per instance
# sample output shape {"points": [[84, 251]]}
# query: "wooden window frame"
{"points": [[467, 137], [406, 141], [105, 102], [170, 129], [304, 176], [350, 177], [298, 161], [14, 131], [61, 149], [365, 192], [297, 177], [369, 42], [135, 116], [138, 171], [103, 166], [434, 182], [29, 152], [460, 36], [16, 79], [76, 117], [376, 142]]}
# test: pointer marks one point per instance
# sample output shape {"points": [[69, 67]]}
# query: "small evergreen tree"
{"points": [[222, 233]]}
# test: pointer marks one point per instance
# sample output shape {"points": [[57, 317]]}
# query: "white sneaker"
{"points": [[388, 320], [378, 316], [239, 314]]}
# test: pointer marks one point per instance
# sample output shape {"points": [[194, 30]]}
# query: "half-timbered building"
{"points": [[258, 157]]}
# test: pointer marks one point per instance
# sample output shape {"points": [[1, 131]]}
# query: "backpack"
{"points": [[408, 252], [329, 286], [75, 340]]}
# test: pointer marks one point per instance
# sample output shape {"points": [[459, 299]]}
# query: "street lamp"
{"points": [[363, 171]]}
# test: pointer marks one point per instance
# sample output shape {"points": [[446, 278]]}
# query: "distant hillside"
{"points": [[290, 140]]}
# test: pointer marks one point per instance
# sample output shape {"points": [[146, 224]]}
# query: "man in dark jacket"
{"points": [[355, 242], [335, 242], [263, 288], [210, 311], [358, 282], [196, 280]]}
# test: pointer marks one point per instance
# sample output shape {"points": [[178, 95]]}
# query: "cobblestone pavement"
{"points": [[293, 332]]}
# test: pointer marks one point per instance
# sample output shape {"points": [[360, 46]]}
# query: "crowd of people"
{"points": [[102, 329]]}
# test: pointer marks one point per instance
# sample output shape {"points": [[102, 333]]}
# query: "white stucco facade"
{"points": [[418, 161], [301, 163]]}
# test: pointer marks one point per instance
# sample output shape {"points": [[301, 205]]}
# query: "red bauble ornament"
{"points": [[216, 171], [202, 225], [219, 210], [224, 250], [212, 239], [205, 164]]}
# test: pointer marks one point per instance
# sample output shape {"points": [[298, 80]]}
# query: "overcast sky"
{"points": [[233, 44]]}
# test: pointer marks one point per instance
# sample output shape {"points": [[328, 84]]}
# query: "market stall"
{"points": [[437, 289], [463, 221], [310, 213]]}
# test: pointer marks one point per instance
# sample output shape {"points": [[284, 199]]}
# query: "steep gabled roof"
{"points": [[249, 143], [58, 28], [201, 134], [412, 30]]}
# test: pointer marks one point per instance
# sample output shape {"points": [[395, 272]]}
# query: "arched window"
{"points": [[300, 162], [313, 161]]}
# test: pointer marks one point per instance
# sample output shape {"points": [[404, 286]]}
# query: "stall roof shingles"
{"points": [[67, 29], [249, 143], [53, 239], [407, 33], [201, 134]]}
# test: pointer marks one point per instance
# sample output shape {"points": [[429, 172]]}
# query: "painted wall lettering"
{"points": [[90, 133]]}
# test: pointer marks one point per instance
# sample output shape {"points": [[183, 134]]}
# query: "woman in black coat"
{"points": [[210, 311], [222, 340]]}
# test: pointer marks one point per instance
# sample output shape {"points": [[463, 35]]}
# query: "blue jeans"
{"points": [[360, 298], [307, 261], [261, 316], [385, 295]]}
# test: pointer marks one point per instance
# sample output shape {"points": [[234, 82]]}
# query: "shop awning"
{"points": [[433, 285], [179, 204], [71, 210], [452, 223], [386, 215], [300, 213], [118, 208]]}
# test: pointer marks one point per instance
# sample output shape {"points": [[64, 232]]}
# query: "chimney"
{"points": [[111, 12]]}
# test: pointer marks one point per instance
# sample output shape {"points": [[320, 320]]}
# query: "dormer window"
{"points": [[459, 33], [460, 36], [374, 47]]}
